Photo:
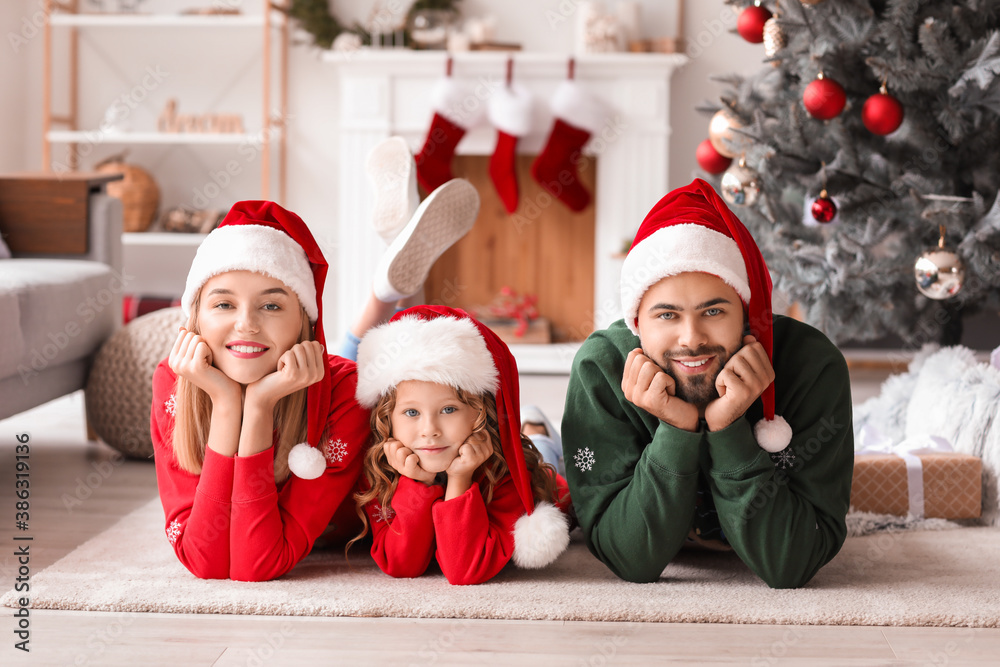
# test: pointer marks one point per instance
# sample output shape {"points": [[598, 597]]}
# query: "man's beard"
{"points": [[698, 390]]}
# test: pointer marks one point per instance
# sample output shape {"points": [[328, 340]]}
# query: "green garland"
{"points": [[315, 18]]}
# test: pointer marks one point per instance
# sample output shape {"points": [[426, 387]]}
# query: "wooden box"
{"points": [[48, 213]]}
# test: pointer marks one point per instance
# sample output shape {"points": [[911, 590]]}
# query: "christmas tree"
{"points": [[849, 190]]}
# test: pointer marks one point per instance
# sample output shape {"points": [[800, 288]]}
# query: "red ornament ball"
{"points": [[824, 209], [882, 114], [824, 98], [751, 22], [710, 159]]}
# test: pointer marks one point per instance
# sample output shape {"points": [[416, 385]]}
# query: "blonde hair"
{"points": [[382, 478], [193, 416]]}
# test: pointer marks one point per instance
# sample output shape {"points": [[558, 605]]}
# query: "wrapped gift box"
{"points": [[952, 485]]}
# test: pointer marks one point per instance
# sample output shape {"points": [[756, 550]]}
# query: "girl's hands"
{"points": [[191, 358], [405, 462], [304, 364], [473, 453], [476, 449]]}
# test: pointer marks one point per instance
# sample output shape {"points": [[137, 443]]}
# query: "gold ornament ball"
{"points": [[940, 273], [774, 38], [740, 186], [720, 133]]}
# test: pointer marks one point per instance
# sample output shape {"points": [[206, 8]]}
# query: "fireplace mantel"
{"points": [[386, 92]]}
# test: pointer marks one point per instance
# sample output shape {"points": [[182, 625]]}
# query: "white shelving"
{"points": [[155, 21], [206, 138], [156, 263], [162, 239]]}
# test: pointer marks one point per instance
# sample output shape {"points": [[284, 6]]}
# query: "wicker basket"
{"points": [[138, 191]]}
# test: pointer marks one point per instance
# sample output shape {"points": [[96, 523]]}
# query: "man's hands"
{"points": [[742, 380], [191, 358], [646, 386], [299, 367], [405, 462]]}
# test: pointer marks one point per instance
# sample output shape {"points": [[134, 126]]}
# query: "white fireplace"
{"points": [[386, 92]]}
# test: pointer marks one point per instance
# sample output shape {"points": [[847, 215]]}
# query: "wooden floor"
{"points": [[78, 489]]}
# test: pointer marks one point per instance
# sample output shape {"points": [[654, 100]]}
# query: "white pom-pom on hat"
{"points": [[540, 537], [773, 435], [306, 461]]}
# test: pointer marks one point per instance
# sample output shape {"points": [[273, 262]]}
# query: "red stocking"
{"points": [[434, 159], [510, 113], [450, 100], [577, 115]]}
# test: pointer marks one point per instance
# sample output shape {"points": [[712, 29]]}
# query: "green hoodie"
{"points": [[634, 479]]}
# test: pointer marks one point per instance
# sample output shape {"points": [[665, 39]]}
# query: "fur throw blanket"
{"points": [[945, 392]]}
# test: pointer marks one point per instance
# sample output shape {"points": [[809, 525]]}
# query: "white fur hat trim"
{"points": [[773, 435], [677, 249], [306, 461], [540, 537], [510, 110], [573, 104], [252, 248], [446, 350], [457, 101]]}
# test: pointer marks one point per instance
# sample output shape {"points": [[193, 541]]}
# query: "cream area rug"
{"points": [[921, 578]]}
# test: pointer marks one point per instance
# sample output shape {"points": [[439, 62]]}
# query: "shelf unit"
{"points": [[66, 15], [156, 263]]}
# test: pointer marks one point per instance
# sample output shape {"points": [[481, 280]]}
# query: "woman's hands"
{"points": [[191, 359], [301, 366]]}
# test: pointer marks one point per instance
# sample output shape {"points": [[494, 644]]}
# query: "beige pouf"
{"points": [[120, 386]]}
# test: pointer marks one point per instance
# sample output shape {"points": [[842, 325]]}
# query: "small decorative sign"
{"points": [[222, 123]]}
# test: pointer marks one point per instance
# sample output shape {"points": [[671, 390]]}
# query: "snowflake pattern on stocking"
{"points": [[784, 459], [584, 459], [379, 514], [174, 531], [170, 405], [335, 450]]}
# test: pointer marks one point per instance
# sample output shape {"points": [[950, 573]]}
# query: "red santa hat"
{"points": [[262, 237], [447, 346], [692, 229]]}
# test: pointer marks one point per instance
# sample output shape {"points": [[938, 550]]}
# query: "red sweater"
{"points": [[471, 540], [233, 521]]}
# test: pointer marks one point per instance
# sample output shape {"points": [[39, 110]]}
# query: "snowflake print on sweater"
{"points": [[584, 459], [170, 405], [379, 514], [174, 531], [784, 459], [334, 451]]}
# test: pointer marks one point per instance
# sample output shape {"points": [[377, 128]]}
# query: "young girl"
{"points": [[246, 380], [450, 475]]}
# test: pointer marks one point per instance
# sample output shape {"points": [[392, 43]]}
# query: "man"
{"points": [[670, 430]]}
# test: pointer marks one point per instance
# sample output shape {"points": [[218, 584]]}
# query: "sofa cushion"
{"points": [[65, 309]]}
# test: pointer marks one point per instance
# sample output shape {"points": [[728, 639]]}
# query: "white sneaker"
{"points": [[443, 218], [393, 175]]}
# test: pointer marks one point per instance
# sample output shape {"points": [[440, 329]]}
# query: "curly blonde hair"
{"points": [[382, 478]]}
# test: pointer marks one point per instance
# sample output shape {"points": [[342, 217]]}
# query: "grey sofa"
{"points": [[56, 310]]}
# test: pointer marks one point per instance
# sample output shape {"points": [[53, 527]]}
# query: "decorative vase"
{"points": [[429, 27]]}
